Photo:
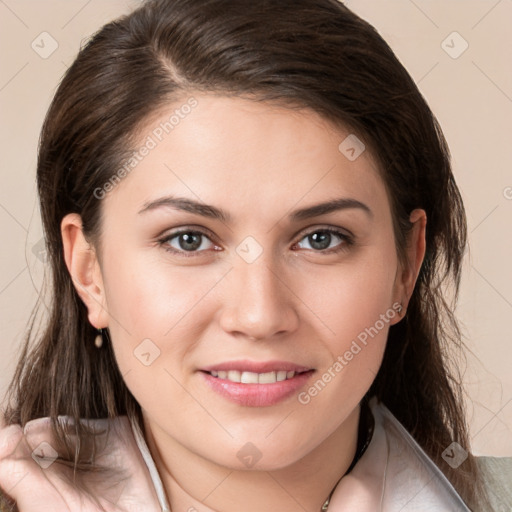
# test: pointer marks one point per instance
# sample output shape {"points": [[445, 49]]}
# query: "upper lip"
{"points": [[256, 367]]}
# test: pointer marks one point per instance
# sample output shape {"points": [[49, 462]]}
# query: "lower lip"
{"points": [[257, 395]]}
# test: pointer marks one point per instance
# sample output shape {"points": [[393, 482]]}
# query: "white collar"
{"points": [[393, 475], [150, 463]]}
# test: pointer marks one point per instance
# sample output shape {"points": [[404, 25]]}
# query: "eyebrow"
{"points": [[343, 203], [206, 210], [187, 205]]}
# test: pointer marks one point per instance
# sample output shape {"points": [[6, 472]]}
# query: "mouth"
{"points": [[255, 378], [254, 384]]}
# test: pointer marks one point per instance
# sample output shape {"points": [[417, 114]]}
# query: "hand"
{"points": [[37, 482]]}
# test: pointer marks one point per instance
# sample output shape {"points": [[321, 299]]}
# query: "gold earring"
{"points": [[98, 341]]}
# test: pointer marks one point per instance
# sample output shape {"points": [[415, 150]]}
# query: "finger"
{"points": [[10, 437], [22, 478]]}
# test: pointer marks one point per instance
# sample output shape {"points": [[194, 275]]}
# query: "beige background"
{"points": [[470, 91]]}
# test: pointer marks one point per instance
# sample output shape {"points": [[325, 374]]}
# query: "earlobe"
{"points": [[84, 269], [415, 253]]}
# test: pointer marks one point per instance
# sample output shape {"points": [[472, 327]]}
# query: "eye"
{"points": [[187, 241], [324, 240]]}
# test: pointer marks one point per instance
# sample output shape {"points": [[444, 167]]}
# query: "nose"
{"points": [[259, 304]]}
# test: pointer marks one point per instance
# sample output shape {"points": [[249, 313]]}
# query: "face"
{"points": [[246, 246]]}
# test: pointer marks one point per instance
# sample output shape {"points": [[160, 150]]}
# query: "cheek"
{"points": [[149, 300], [352, 297], [153, 325], [355, 307]]}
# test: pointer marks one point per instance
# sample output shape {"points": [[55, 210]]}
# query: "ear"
{"points": [[407, 273], [84, 268]]}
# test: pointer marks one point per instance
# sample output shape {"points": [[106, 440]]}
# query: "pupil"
{"points": [[320, 240], [190, 241]]}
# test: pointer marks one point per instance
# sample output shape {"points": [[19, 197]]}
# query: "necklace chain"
{"points": [[366, 426]]}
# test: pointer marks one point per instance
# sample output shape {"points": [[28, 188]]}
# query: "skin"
{"points": [[295, 303]]}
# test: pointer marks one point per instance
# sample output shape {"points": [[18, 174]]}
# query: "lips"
{"points": [[256, 384]]}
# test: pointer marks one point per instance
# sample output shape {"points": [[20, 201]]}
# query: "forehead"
{"points": [[249, 155]]}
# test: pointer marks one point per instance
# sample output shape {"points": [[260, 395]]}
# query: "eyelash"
{"points": [[163, 242], [347, 241]]}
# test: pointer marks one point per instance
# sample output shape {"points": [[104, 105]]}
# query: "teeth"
{"points": [[281, 375], [234, 376], [249, 378], [267, 378], [253, 378]]}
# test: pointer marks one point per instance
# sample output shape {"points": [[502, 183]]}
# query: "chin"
{"points": [[261, 457]]}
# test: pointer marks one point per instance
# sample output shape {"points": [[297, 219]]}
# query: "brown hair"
{"points": [[313, 54]]}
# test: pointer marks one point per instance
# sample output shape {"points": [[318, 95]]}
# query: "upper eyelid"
{"points": [[187, 229], [333, 229]]}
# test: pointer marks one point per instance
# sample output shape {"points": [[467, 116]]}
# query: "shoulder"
{"points": [[394, 474], [497, 474], [414, 478]]}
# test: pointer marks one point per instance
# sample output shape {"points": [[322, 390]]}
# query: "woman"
{"points": [[251, 218]]}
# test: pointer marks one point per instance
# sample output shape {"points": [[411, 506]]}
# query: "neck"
{"points": [[195, 484]]}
